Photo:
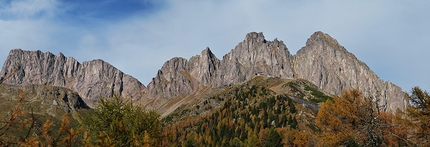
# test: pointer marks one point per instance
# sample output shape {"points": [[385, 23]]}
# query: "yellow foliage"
{"points": [[344, 119], [417, 116]]}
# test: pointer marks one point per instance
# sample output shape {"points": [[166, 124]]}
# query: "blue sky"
{"points": [[138, 36]]}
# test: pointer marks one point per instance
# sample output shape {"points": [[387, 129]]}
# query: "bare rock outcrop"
{"points": [[327, 64], [204, 67], [51, 100], [171, 80], [180, 76], [90, 79], [255, 55]]}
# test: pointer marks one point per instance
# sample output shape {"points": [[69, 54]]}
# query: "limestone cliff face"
{"points": [[204, 67], [332, 68], [328, 65], [255, 55], [180, 76], [323, 61], [171, 80], [90, 79]]}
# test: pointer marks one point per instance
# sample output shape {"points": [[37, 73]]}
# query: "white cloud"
{"points": [[23, 34], [19, 9]]}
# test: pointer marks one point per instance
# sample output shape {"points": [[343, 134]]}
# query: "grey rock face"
{"points": [[393, 97], [323, 61], [91, 79], [173, 79], [180, 76], [255, 55], [332, 68], [204, 67], [33, 67]]}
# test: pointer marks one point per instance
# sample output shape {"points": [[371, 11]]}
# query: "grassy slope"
{"points": [[39, 100]]}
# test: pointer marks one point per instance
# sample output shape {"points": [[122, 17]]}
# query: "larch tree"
{"points": [[117, 122], [417, 117], [349, 119]]}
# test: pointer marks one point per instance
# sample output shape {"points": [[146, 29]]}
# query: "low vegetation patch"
{"points": [[318, 95]]}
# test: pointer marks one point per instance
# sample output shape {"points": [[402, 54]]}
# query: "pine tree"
{"points": [[274, 139], [291, 106]]}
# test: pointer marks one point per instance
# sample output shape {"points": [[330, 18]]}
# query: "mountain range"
{"points": [[322, 61]]}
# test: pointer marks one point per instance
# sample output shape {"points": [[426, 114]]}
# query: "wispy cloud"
{"points": [[139, 36], [25, 9]]}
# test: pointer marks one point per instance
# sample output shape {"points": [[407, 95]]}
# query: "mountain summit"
{"points": [[327, 64], [255, 55], [90, 79], [323, 61]]}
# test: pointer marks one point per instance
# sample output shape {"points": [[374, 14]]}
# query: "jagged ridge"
{"points": [[323, 61], [90, 79]]}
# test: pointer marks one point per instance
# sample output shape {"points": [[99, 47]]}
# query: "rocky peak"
{"points": [[206, 52], [41, 63], [171, 80], [90, 79], [322, 39], [255, 55], [254, 36], [204, 66], [332, 68], [60, 55], [180, 76], [175, 63]]}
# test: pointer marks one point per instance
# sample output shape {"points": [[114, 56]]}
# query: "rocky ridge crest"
{"points": [[181, 76], [255, 55], [327, 64], [90, 79], [323, 61]]}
